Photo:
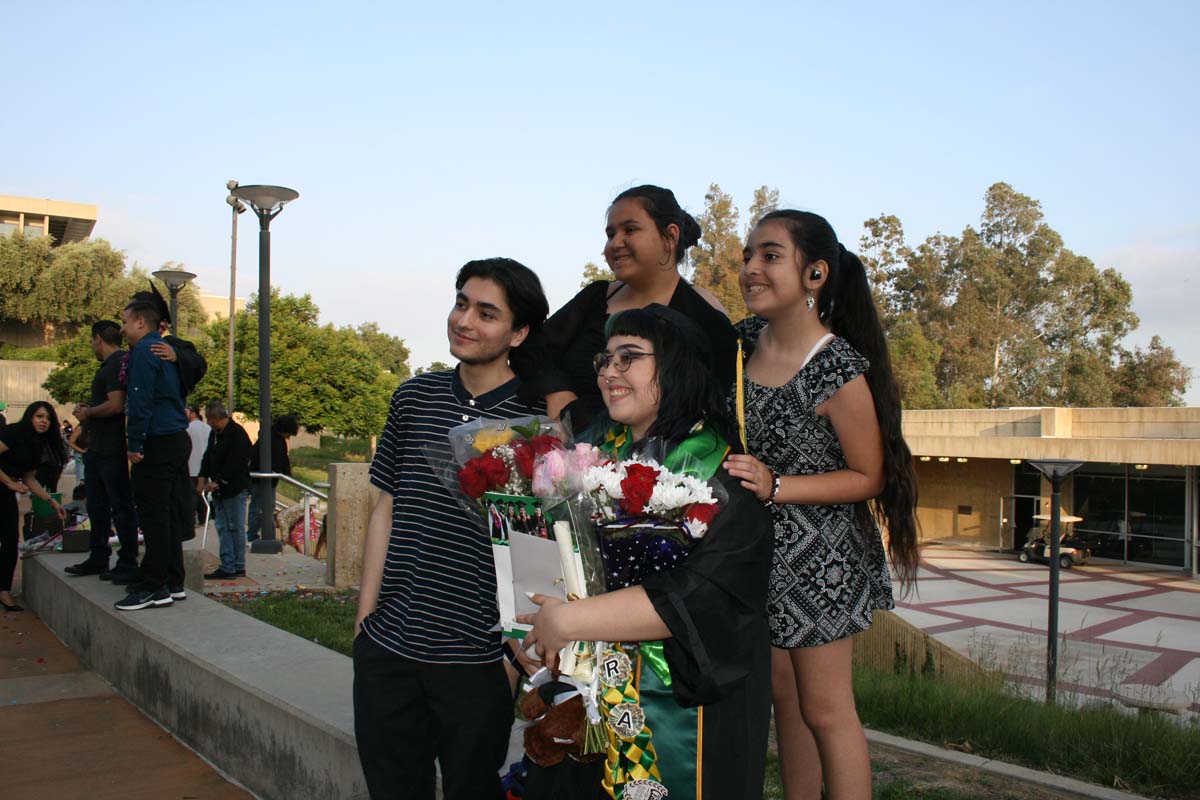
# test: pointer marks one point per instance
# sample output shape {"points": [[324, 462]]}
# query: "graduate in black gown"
{"points": [[708, 611]]}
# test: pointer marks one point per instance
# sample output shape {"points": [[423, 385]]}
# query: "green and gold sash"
{"points": [[635, 693]]}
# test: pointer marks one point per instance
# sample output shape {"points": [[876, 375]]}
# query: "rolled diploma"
{"points": [[573, 580], [566, 557]]}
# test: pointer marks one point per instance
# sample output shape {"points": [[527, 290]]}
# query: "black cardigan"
{"points": [[559, 356]]}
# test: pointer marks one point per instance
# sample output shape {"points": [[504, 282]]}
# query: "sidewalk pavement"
{"points": [[1130, 631], [282, 572], [68, 734]]}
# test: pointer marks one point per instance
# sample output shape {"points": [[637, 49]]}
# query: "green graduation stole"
{"points": [[639, 764]]}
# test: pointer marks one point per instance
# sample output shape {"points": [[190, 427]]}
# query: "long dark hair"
{"points": [[52, 438], [665, 210], [688, 390], [845, 305]]}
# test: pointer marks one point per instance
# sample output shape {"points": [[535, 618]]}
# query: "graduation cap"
{"points": [[154, 299]]}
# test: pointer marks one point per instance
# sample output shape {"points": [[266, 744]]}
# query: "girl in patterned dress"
{"points": [[822, 422]]}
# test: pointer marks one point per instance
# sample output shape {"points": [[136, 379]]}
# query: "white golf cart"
{"points": [[1072, 549]]}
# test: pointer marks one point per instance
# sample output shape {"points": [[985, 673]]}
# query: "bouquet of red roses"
{"points": [[506, 458], [491, 468]]}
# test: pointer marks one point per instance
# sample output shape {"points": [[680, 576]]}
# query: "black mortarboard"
{"points": [[153, 298]]}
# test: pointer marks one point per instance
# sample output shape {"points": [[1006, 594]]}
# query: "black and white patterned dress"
{"points": [[826, 576]]}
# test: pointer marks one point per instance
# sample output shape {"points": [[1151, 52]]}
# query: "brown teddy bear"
{"points": [[556, 730]]}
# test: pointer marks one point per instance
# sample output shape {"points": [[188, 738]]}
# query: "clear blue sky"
{"points": [[422, 137]]}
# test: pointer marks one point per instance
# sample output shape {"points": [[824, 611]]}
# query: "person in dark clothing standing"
{"points": [[647, 237], [158, 447], [109, 494], [183, 354], [283, 427], [225, 471], [20, 447], [52, 460]]}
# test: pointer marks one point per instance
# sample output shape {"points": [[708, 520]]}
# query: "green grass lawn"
{"points": [[310, 464], [1149, 754], [1102, 744], [326, 619]]}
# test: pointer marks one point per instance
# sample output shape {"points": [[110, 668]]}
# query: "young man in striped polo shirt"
{"points": [[429, 679]]}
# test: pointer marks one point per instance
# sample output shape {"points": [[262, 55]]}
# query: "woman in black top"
{"points": [[647, 237], [22, 445], [53, 459]]}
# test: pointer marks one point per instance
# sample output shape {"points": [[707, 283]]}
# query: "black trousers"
{"points": [[110, 503], [408, 713], [162, 493], [10, 524]]}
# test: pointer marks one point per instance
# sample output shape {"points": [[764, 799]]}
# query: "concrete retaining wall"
{"points": [[21, 384], [351, 499], [270, 709]]}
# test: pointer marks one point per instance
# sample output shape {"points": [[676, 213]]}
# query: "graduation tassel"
{"points": [[740, 396]]}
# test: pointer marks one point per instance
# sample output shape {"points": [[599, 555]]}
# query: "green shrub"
{"points": [[9, 352], [1100, 744]]}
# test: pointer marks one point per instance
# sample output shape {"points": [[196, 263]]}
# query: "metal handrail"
{"points": [[309, 493], [304, 487]]}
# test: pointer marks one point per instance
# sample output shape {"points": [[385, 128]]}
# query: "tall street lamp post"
{"points": [[175, 279], [237, 207], [267, 202], [1056, 471]]}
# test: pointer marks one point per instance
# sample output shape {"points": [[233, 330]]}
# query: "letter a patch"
{"points": [[627, 720]]}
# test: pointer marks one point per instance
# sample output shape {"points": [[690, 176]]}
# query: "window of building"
{"points": [[1132, 514], [1157, 512], [1098, 495], [34, 229]]}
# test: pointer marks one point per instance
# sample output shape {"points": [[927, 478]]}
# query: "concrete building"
{"points": [[1137, 492], [66, 222], [216, 306]]}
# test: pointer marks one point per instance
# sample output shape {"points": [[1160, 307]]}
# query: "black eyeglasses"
{"points": [[620, 359]]}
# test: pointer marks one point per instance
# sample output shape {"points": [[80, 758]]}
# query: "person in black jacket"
{"points": [[225, 472], [283, 427], [191, 365], [21, 446], [647, 237]]}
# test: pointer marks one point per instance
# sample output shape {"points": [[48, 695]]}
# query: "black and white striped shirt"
{"points": [[437, 603]]}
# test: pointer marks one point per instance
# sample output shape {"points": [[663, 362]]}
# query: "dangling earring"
{"points": [[809, 302]]}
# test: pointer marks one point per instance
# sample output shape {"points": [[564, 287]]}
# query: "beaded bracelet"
{"points": [[770, 501]]}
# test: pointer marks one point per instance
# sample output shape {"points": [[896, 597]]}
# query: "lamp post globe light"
{"points": [[1056, 471], [175, 279], [266, 202], [237, 207]]}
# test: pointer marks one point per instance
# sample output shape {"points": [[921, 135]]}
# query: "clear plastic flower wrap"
{"points": [[489, 466], [630, 518]]}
